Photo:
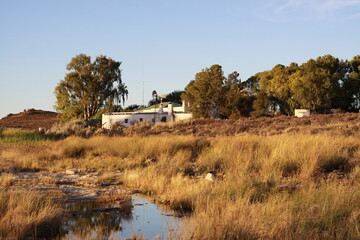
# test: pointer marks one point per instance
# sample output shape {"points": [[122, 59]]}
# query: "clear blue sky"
{"points": [[163, 42]]}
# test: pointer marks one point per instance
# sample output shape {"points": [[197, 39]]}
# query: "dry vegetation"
{"points": [[30, 119], [32, 216], [347, 123], [281, 178]]}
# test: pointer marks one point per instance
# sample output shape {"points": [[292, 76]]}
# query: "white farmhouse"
{"points": [[163, 112]]}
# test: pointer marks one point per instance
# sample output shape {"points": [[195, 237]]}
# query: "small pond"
{"points": [[93, 220]]}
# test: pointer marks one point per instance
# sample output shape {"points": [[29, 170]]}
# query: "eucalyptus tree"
{"points": [[89, 87]]}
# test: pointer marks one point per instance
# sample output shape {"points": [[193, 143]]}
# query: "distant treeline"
{"points": [[319, 85]]}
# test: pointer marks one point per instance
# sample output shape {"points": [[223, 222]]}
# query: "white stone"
{"points": [[210, 177], [71, 171], [41, 130]]}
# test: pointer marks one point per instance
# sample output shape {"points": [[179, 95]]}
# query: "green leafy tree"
{"points": [[205, 92], [279, 87], [318, 84], [261, 104], [274, 89], [315, 84], [89, 87], [349, 96], [253, 83], [174, 96], [354, 76], [233, 94], [213, 95]]}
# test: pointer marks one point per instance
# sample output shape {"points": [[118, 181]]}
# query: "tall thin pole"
{"points": [[143, 86]]}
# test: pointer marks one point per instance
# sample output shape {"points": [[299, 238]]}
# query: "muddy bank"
{"points": [[81, 186]]}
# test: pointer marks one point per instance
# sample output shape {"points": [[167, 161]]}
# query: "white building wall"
{"points": [[182, 116], [302, 112], [126, 119]]}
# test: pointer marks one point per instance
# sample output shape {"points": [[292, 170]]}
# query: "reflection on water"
{"points": [[92, 220]]}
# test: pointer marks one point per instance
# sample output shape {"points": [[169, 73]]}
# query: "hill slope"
{"points": [[29, 119]]}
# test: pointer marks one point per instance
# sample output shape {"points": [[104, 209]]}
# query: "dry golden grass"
{"points": [[337, 124], [24, 214], [286, 184], [114, 197], [108, 178], [278, 187], [7, 179], [326, 212]]}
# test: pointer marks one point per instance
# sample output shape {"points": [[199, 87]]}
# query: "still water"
{"points": [[92, 220]]}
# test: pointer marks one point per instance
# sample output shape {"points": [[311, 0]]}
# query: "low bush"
{"points": [[75, 127]]}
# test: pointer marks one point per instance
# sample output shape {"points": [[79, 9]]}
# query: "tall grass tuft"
{"points": [[32, 216], [7, 180]]}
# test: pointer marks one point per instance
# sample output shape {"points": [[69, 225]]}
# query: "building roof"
{"points": [[135, 113], [164, 104]]}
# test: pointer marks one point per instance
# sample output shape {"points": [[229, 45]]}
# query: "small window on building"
{"points": [[126, 120], [163, 119], [141, 119], [153, 120]]}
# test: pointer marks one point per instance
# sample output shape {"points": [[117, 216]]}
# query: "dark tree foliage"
{"points": [[260, 104], [253, 84], [245, 105], [132, 108], [211, 94], [174, 97], [205, 92], [319, 85]]}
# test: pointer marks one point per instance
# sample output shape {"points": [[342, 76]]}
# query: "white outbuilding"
{"points": [[163, 112]]}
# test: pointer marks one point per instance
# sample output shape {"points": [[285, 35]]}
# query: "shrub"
{"points": [[76, 127], [138, 128]]}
